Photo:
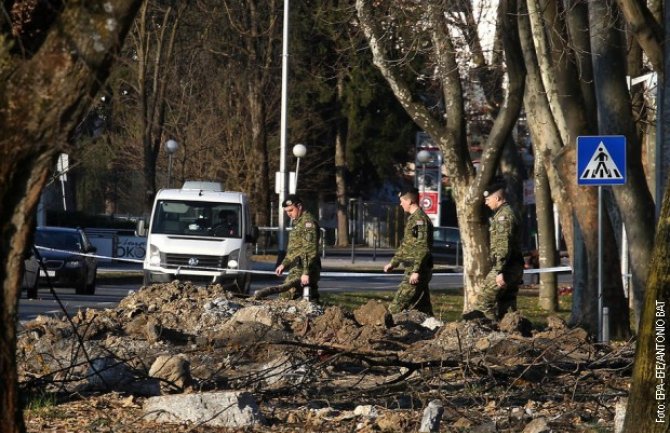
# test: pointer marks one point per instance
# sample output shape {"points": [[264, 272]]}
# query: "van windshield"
{"points": [[197, 218]]}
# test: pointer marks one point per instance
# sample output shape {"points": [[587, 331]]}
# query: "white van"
{"points": [[199, 233]]}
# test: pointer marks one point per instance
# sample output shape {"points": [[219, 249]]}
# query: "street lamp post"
{"points": [[424, 158], [283, 174], [299, 151], [171, 147]]}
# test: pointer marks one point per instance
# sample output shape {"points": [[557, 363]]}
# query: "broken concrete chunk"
{"points": [[174, 373], [432, 415], [538, 425], [283, 369], [111, 374], [366, 411], [217, 409], [432, 323]]}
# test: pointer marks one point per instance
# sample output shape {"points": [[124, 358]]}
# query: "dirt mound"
{"points": [[299, 359]]}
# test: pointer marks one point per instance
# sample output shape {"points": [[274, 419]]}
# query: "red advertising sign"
{"points": [[429, 202]]}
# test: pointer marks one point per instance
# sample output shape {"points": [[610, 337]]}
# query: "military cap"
{"points": [[291, 199], [408, 190], [496, 185]]}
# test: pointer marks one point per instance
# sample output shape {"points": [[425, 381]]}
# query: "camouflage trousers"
{"points": [[292, 287], [413, 296], [495, 301]]}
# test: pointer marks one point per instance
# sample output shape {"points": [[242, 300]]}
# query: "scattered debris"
{"points": [[297, 366], [432, 416], [217, 409]]}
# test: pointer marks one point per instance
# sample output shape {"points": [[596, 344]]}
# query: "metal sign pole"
{"points": [[600, 263], [601, 160]]}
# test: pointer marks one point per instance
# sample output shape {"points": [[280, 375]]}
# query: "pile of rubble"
{"points": [[199, 356]]}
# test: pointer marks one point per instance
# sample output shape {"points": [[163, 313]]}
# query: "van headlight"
{"points": [[234, 259], [154, 255]]}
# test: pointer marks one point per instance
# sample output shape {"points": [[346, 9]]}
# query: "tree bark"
{"points": [[570, 105], [259, 145], [650, 386], [544, 132], [448, 129], [341, 170], [154, 46], [547, 249], [45, 97], [615, 117], [646, 30], [577, 23]]}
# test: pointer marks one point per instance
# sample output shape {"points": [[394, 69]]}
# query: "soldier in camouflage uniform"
{"points": [[501, 285], [415, 255], [302, 256]]}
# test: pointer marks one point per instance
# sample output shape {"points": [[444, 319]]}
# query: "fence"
{"points": [[267, 240], [370, 223]]}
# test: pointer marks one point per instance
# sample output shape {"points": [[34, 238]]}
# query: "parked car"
{"points": [[64, 263], [447, 246]]}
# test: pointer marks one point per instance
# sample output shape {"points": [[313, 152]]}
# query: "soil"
{"points": [[316, 369]]}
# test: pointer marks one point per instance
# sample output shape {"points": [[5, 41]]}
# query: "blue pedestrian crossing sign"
{"points": [[601, 160]]}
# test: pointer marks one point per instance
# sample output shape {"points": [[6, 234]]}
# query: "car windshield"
{"points": [[197, 218], [69, 241], [446, 234]]}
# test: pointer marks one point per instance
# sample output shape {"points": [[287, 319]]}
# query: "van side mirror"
{"points": [[140, 229], [253, 236]]}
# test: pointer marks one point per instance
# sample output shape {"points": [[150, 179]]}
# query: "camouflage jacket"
{"points": [[505, 238], [303, 245], [415, 250]]}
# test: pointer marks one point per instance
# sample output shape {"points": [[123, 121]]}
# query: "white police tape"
{"points": [[454, 274], [96, 256], [323, 274]]}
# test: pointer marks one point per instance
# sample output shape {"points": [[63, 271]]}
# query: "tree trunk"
{"points": [[650, 389], [154, 46], [473, 228], [26, 176], [612, 286], [645, 29], [547, 249], [448, 128], [569, 107], [259, 144], [341, 170], [48, 93], [577, 22], [544, 133], [615, 117]]}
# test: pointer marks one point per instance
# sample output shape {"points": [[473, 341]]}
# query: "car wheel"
{"points": [[243, 283], [81, 287], [31, 292], [90, 288]]}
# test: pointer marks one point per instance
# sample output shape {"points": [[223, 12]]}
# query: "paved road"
{"points": [[109, 295], [109, 292]]}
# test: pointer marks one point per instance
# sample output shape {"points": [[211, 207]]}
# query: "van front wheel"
{"points": [[243, 283]]}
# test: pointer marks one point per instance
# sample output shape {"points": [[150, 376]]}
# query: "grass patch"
{"points": [[42, 401], [448, 304]]}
